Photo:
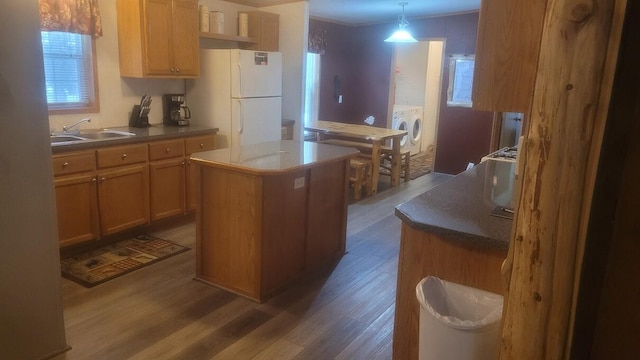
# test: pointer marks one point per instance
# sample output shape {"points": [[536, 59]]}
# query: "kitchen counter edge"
{"points": [[152, 133], [456, 211]]}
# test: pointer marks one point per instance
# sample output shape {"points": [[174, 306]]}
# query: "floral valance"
{"points": [[74, 16]]}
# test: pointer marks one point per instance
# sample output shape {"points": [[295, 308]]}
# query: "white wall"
{"points": [[31, 320], [294, 31], [432, 93]]}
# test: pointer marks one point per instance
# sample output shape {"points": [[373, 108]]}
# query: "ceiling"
{"points": [[360, 12]]}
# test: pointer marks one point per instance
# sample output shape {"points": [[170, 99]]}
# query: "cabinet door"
{"points": [[186, 46], [264, 27], [77, 208], [123, 195], [167, 181], [158, 37]]}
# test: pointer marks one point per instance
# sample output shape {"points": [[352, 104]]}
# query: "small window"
{"points": [[460, 80], [69, 69]]}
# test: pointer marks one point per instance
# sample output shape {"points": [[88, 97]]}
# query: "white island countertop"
{"points": [[273, 157]]}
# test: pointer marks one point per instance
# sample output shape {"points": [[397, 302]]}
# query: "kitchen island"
{"points": [[269, 213], [457, 231]]}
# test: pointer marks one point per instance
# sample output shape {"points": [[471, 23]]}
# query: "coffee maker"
{"points": [[174, 113]]}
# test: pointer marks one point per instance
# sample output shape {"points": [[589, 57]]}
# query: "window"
{"points": [[69, 69], [312, 88], [460, 80]]}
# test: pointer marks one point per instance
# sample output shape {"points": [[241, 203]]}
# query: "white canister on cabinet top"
{"points": [[204, 18], [243, 24], [216, 22]]}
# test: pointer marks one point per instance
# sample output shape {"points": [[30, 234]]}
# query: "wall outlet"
{"points": [[298, 183]]}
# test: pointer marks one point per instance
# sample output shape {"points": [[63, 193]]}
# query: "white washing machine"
{"points": [[406, 117]]}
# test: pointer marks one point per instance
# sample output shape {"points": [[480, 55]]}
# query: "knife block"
{"points": [[135, 120]]}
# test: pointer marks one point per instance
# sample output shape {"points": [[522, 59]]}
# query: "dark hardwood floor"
{"points": [[159, 312]]}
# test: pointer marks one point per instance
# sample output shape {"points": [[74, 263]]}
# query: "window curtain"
{"points": [[74, 16]]}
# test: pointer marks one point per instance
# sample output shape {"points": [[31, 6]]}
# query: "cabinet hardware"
{"points": [[168, 150], [65, 164], [201, 145], [124, 156]]}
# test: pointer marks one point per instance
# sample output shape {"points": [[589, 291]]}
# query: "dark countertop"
{"points": [[152, 133], [273, 157], [460, 208]]}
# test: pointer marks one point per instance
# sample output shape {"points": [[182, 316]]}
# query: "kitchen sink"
{"points": [[104, 134], [87, 135], [65, 138]]}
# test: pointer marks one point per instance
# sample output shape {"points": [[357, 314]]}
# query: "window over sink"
{"points": [[70, 72]]}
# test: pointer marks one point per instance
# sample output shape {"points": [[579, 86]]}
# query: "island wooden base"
{"points": [[423, 254], [258, 232]]}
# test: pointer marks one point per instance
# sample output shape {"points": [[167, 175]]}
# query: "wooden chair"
{"points": [[361, 169], [405, 162]]}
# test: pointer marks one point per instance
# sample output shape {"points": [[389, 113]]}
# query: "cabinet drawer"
{"points": [[74, 163], [122, 155], [200, 143], [166, 149]]}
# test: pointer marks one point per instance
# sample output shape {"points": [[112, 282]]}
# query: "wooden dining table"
{"points": [[377, 137]]}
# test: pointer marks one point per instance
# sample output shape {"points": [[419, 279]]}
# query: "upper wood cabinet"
{"points": [[507, 47], [264, 28], [158, 38]]}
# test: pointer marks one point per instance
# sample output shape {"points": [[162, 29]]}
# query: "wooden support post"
{"points": [[571, 91]]}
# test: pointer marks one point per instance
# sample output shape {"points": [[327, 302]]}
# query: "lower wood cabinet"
{"points": [[123, 195], [106, 190], [167, 178], [77, 206], [167, 188], [193, 145]]}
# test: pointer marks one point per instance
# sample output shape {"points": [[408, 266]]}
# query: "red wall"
{"points": [[362, 60]]}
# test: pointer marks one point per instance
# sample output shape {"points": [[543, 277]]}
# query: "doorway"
{"points": [[415, 92]]}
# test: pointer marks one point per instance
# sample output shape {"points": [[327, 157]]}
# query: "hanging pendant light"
{"points": [[401, 35]]}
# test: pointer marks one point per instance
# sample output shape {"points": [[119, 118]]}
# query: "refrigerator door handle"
{"points": [[240, 80], [241, 117]]}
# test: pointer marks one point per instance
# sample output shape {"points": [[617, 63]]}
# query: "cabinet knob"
{"points": [[102, 179], [183, 163], [65, 164], [177, 70], [173, 70], [201, 145], [168, 150], [94, 179], [124, 156]]}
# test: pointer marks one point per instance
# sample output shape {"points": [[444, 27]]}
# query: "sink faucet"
{"points": [[67, 128]]}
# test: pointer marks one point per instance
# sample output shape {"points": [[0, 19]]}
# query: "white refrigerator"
{"points": [[240, 93]]}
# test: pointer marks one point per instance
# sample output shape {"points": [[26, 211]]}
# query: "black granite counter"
{"points": [[152, 133], [460, 208]]}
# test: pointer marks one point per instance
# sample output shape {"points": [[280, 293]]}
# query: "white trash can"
{"points": [[457, 322]]}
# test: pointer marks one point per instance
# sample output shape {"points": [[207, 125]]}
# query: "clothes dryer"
{"points": [[415, 129]]}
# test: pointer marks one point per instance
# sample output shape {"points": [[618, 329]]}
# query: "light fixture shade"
{"points": [[401, 35]]}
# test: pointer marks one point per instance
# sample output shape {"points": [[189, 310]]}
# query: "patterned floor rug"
{"points": [[420, 164], [97, 266]]}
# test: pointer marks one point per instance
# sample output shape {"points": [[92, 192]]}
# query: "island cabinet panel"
{"points": [[506, 59], [326, 234], [284, 229], [230, 231], [425, 254], [260, 228]]}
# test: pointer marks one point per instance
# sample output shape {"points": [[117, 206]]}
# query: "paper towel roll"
{"points": [[243, 24], [204, 18]]}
